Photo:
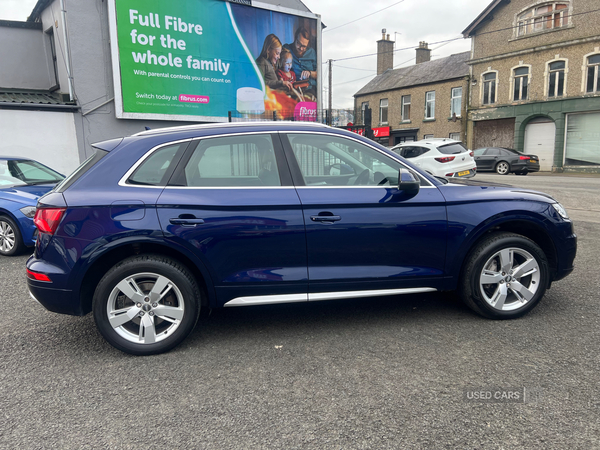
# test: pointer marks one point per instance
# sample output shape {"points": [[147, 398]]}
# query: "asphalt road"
{"points": [[395, 372]]}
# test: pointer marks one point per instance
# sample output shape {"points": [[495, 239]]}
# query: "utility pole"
{"points": [[330, 93]]}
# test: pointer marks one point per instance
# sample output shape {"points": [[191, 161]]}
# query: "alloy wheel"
{"points": [[7, 237], [145, 308], [510, 279]]}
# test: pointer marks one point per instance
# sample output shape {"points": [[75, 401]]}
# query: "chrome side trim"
{"points": [[293, 298], [360, 294], [267, 300]]}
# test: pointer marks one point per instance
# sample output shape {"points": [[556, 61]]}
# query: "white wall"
{"points": [[46, 136]]}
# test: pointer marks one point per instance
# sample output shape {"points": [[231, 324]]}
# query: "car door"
{"points": [[232, 206], [489, 159], [363, 238]]}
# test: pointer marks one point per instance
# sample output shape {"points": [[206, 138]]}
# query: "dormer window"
{"points": [[543, 18]]}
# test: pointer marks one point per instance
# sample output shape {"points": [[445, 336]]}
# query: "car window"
{"points": [[479, 151], [509, 152], [492, 152], [338, 161], [153, 170], [413, 152], [233, 162], [452, 149], [24, 171]]}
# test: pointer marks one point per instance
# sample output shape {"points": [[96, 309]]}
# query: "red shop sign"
{"points": [[381, 132]]}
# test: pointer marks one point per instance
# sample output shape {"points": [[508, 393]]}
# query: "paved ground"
{"points": [[362, 374]]}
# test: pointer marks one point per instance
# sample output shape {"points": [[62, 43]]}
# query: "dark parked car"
{"points": [[505, 160], [22, 182], [155, 226]]}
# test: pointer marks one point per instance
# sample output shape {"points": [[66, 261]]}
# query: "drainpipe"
{"points": [[67, 49]]}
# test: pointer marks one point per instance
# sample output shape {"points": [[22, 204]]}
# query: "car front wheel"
{"points": [[502, 168], [146, 304], [11, 241], [505, 276]]}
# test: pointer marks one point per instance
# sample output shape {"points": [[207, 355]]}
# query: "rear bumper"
{"points": [[55, 300]]}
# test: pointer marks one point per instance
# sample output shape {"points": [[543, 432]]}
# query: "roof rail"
{"points": [[226, 125]]}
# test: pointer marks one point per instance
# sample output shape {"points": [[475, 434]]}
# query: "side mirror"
{"points": [[408, 183]]}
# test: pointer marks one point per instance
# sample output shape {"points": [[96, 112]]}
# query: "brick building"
{"points": [[535, 81], [423, 100]]}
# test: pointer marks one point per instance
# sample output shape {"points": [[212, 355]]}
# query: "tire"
{"points": [[502, 168], [11, 240], [135, 319], [518, 291]]}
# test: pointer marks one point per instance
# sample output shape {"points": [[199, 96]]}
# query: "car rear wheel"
{"points": [[502, 168], [505, 276], [11, 241], [146, 304]]}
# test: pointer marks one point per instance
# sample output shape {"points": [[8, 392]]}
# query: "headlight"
{"points": [[28, 211], [562, 212]]}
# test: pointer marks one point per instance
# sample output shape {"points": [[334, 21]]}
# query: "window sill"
{"points": [[457, 118], [429, 120], [540, 33], [403, 122]]}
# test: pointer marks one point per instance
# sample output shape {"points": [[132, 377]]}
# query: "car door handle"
{"points": [[186, 222], [325, 218]]}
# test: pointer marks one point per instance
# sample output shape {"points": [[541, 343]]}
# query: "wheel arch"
{"points": [[523, 226], [103, 262]]}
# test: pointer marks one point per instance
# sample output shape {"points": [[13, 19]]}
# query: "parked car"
{"points": [[22, 182], [157, 225], [439, 157], [505, 160]]}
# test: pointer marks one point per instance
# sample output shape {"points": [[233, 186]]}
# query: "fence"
{"points": [[339, 117]]}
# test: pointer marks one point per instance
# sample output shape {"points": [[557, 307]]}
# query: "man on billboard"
{"points": [[304, 62]]}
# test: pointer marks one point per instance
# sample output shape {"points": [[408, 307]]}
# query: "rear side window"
{"points": [[82, 169], [453, 149], [492, 152], [154, 169], [413, 152], [232, 162]]}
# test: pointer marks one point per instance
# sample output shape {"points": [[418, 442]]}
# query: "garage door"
{"points": [[539, 140]]}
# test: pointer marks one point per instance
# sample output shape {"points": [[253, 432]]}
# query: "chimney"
{"points": [[385, 53], [423, 53]]}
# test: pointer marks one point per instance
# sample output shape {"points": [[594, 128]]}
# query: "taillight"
{"points": [[524, 158], [38, 276], [445, 159], [471, 154], [47, 219]]}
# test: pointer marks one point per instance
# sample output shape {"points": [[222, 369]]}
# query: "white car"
{"points": [[439, 157]]}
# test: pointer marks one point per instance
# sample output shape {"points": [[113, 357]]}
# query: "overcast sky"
{"points": [[414, 20]]}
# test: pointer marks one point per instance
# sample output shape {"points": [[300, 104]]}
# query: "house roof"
{"points": [[30, 97], [484, 16], [454, 66]]}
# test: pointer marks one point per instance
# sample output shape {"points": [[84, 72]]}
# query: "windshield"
{"points": [[25, 172]]}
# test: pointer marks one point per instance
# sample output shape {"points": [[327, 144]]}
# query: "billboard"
{"points": [[201, 60]]}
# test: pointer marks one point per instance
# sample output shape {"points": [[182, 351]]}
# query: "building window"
{"points": [[50, 34], [520, 83], [363, 107], [540, 18], [556, 79], [405, 108], [489, 88], [455, 136], [383, 110], [456, 102], [593, 74], [428, 136], [430, 105]]}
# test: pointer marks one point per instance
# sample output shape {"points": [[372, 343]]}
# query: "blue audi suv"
{"points": [[155, 226]]}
